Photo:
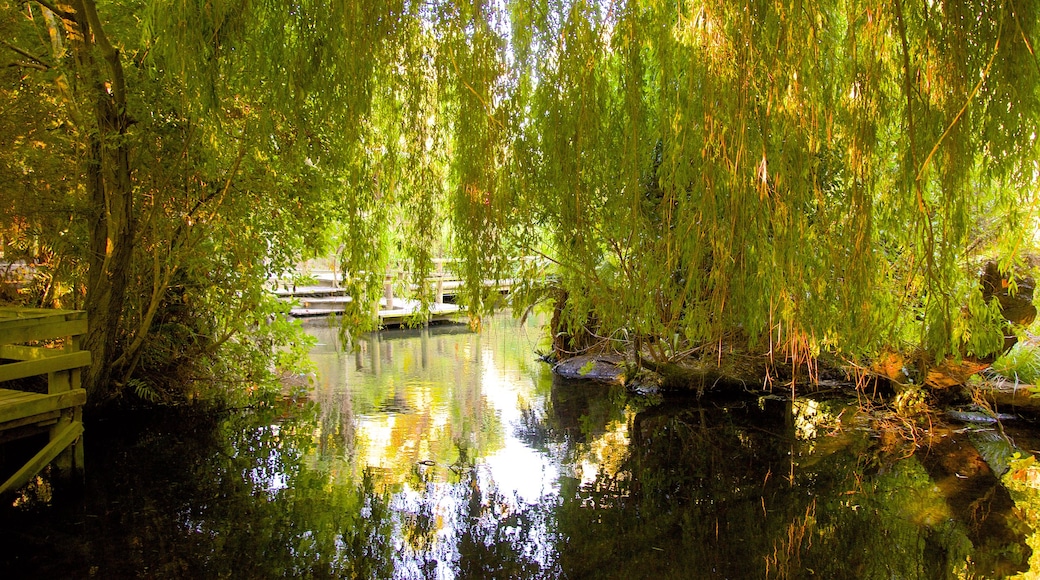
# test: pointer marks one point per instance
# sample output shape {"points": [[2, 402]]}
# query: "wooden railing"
{"points": [[43, 342]]}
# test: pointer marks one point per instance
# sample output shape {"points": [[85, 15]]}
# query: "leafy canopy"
{"points": [[800, 175], [806, 175]]}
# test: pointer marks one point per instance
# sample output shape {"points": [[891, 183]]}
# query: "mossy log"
{"points": [[614, 369], [679, 377], [1009, 397]]}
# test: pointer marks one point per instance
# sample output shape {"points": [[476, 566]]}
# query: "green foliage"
{"points": [[1018, 462], [222, 201], [1021, 364], [692, 169], [142, 390], [800, 177], [587, 367]]}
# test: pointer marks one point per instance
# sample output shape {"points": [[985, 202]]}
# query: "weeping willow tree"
{"points": [[795, 177], [799, 177], [805, 176]]}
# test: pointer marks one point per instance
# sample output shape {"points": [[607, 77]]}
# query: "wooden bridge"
{"points": [[327, 298], [42, 343]]}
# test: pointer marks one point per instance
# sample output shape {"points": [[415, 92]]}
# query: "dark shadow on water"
{"points": [[732, 492]]}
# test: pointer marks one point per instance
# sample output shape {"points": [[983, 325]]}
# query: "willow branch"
{"points": [[908, 92], [571, 267], [160, 283], [216, 193], [971, 96], [922, 205], [232, 172], [1025, 39], [161, 279], [484, 103], [228, 333]]}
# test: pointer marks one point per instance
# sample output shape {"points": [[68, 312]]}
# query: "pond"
{"points": [[441, 453]]}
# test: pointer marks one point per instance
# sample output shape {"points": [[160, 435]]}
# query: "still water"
{"points": [[443, 453]]}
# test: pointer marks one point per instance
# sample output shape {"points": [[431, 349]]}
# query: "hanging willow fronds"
{"points": [[779, 170]]}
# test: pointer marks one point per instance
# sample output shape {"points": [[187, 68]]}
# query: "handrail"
{"points": [[59, 411]]}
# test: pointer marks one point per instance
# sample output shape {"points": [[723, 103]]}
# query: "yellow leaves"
{"points": [[1029, 477], [477, 195]]}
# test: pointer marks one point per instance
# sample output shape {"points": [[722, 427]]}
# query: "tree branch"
{"points": [[487, 108], [31, 65], [922, 205], [110, 53], [36, 62], [1025, 39], [49, 6], [160, 283], [974, 91]]}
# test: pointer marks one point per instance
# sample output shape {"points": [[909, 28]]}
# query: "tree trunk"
{"points": [[109, 188], [111, 249]]}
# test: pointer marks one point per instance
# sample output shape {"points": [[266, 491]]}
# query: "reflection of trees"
{"points": [[684, 507], [580, 412], [739, 489], [978, 500], [726, 492], [397, 405], [495, 536], [367, 537], [237, 498], [194, 498], [335, 431]]}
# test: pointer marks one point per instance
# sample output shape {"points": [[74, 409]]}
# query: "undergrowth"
{"points": [[1021, 364]]}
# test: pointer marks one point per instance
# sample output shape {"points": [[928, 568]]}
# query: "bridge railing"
{"points": [[42, 342]]}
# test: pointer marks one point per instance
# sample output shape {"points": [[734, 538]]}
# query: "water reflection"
{"points": [[446, 454], [443, 399]]}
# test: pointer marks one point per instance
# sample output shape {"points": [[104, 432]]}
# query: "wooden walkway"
{"points": [[327, 299], [399, 314], [43, 342]]}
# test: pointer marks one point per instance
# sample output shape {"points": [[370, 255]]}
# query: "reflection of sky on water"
{"points": [[519, 469], [515, 468], [442, 398], [432, 413]]}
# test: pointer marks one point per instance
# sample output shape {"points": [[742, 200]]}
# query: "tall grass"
{"points": [[1020, 364]]}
